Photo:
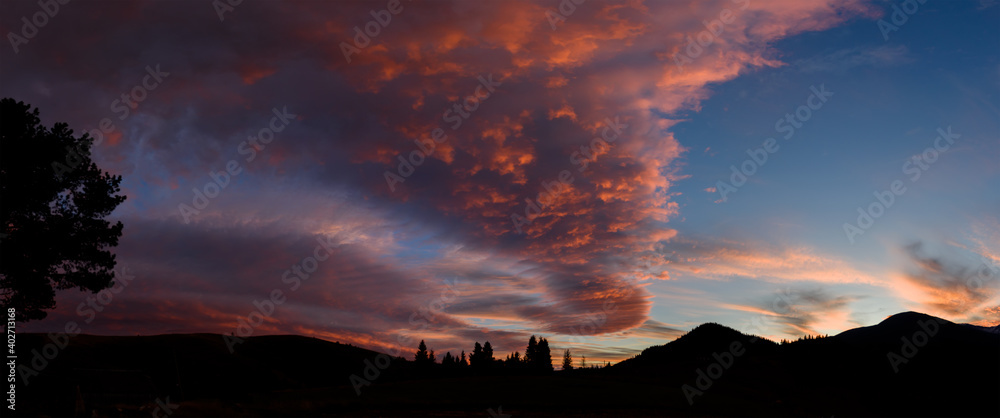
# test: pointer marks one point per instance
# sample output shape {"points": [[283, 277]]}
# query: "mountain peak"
{"points": [[908, 317], [711, 328]]}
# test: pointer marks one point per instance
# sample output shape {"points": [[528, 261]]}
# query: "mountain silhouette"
{"points": [[694, 348], [952, 369], [910, 364], [182, 366]]}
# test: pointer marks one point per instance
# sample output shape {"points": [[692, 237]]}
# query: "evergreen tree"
{"points": [[476, 359], [421, 356], [463, 362], [431, 358], [53, 203], [530, 354], [514, 361], [488, 354], [583, 362], [567, 360], [448, 360], [544, 356]]}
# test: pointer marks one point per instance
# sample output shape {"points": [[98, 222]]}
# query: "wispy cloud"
{"points": [[844, 60], [801, 311], [954, 282], [720, 259]]}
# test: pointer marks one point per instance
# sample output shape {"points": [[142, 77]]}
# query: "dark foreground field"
{"points": [[904, 366]]}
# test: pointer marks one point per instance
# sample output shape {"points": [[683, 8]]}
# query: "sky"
{"points": [[607, 175]]}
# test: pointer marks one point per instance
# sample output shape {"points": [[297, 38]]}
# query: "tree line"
{"points": [[537, 358]]}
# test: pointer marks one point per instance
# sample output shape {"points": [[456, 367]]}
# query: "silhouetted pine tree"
{"points": [[476, 359], [52, 215], [544, 356], [567, 360], [448, 360], [421, 356], [488, 359], [513, 361], [430, 358], [462, 362], [531, 353]]}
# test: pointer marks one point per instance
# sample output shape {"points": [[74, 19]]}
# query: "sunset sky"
{"points": [[647, 237]]}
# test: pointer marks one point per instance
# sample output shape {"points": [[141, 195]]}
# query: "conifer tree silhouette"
{"points": [[544, 356], [567, 363], [531, 353], [421, 357], [53, 203], [476, 359], [488, 354]]}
